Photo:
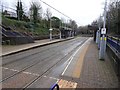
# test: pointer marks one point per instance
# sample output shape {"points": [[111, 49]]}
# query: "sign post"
{"points": [[102, 44]]}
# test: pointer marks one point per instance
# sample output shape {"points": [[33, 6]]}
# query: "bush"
{"points": [[23, 26]]}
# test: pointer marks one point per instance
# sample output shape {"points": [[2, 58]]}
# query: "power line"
{"points": [[47, 5], [55, 9]]}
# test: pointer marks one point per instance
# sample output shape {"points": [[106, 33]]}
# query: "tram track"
{"points": [[33, 63], [23, 57], [49, 68], [44, 59], [23, 69]]}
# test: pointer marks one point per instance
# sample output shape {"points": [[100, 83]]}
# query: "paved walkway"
{"points": [[94, 73], [6, 49], [97, 73]]}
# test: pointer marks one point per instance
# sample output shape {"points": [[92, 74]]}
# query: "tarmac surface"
{"points": [[72, 63]]}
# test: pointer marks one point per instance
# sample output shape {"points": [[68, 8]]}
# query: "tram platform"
{"points": [[86, 72], [89, 71], [12, 49]]}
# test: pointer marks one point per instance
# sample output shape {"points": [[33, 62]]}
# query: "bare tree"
{"points": [[48, 14], [48, 17], [113, 20], [19, 10], [36, 11], [62, 22], [73, 24]]}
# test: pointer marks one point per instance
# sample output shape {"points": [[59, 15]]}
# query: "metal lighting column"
{"points": [[99, 38], [60, 34], [98, 33], [102, 47], [50, 34], [50, 30], [103, 37], [60, 29]]}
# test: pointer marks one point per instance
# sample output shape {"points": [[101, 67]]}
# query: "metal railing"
{"points": [[113, 50], [114, 44]]}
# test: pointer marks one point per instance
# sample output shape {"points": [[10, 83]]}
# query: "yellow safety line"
{"points": [[79, 63]]}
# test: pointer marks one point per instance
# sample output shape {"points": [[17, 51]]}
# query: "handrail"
{"points": [[114, 44], [114, 38], [55, 86]]}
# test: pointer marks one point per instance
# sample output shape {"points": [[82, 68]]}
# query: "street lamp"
{"points": [[50, 29], [50, 33], [98, 32], [60, 34]]}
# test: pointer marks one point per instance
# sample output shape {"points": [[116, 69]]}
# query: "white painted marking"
{"points": [[54, 78], [67, 65], [51, 78], [10, 69], [5, 68], [71, 58], [57, 81], [14, 70], [45, 76], [27, 73], [34, 74]]}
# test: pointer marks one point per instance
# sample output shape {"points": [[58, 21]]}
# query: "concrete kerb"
{"points": [[40, 45]]}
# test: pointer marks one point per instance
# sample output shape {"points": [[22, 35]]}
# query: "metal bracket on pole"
{"points": [[102, 44]]}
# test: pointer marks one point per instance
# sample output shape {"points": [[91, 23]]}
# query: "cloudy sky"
{"points": [[82, 11]]}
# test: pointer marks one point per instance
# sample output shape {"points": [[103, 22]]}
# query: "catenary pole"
{"points": [[103, 36]]}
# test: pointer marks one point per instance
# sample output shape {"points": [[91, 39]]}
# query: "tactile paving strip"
{"points": [[67, 84]]}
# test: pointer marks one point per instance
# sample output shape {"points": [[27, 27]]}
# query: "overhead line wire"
{"points": [[55, 9]]}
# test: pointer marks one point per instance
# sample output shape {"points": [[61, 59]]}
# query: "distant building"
{"points": [[9, 14]]}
